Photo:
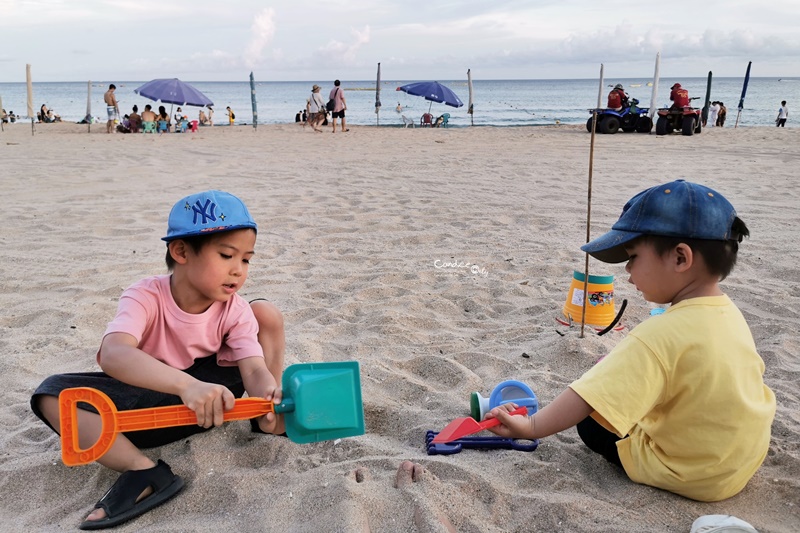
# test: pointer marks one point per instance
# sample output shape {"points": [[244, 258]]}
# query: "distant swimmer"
{"points": [[399, 108]]}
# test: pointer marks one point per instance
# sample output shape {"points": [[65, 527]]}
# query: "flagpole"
{"points": [[29, 83], [470, 109]]}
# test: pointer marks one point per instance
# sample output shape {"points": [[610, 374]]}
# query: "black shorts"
{"points": [[599, 439], [338, 114], [126, 397]]}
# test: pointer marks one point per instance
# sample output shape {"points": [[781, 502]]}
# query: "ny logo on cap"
{"points": [[207, 211]]}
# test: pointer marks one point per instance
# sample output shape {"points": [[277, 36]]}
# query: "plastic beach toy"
{"points": [[507, 391], [321, 401], [482, 443], [461, 427]]}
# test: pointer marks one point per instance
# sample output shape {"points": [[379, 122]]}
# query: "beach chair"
{"points": [[193, 126], [426, 120], [407, 121], [148, 127], [163, 126], [445, 119], [180, 127]]}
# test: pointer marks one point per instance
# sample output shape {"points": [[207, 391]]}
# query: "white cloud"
{"points": [[263, 31]]}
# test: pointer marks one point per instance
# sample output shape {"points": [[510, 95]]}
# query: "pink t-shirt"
{"points": [[148, 312]]}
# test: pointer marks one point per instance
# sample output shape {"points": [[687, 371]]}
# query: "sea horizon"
{"points": [[502, 102]]}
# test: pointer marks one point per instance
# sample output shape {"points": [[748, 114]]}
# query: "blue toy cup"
{"points": [[507, 391]]}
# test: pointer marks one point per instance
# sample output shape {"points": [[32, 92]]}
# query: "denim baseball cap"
{"points": [[676, 209], [207, 212]]}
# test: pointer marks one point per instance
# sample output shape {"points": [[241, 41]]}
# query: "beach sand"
{"points": [[352, 228]]}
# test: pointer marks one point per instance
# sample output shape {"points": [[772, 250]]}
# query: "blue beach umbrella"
{"points": [[173, 91], [434, 92], [744, 92]]}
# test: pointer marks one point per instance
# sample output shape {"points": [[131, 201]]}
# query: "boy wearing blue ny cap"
{"points": [[680, 404], [180, 338]]}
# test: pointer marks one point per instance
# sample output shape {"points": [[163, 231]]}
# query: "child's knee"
{"points": [[269, 317]]}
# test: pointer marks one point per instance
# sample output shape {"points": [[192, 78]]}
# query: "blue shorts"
{"points": [[112, 112]]}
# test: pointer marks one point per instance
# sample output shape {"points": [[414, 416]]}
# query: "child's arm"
{"points": [[564, 412], [260, 383], [121, 359]]}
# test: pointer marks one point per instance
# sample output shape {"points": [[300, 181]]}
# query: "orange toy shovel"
{"points": [[461, 427], [114, 422]]}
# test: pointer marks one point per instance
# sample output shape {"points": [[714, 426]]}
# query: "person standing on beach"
{"points": [[183, 338], [722, 115], [339, 105], [112, 107], [210, 115], [231, 115], [713, 112], [783, 114], [315, 107]]}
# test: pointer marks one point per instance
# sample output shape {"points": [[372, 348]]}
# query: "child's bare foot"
{"points": [[408, 473], [360, 475]]}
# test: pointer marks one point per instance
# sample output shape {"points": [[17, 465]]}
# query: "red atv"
{"points": [[683, 119]]}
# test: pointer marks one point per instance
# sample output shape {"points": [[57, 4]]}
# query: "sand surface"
{"points": [[352, 229]]}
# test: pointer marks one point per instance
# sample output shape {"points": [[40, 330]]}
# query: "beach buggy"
{"points": [[683, 119], [627, 119]]}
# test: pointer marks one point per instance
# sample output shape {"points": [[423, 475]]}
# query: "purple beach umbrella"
{"points": [[173, 91], [433, 91]]}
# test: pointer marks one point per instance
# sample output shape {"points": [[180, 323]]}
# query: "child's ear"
{"points": [[178, 251], [684, 257]]}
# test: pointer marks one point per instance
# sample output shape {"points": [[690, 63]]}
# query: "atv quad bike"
{"points": [[628, 119], [687, 120]]}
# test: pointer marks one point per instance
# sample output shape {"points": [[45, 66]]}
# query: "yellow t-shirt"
{"points": [[687, 388]]}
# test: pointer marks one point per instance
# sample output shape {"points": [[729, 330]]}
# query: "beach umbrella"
{"points": [[744, 92], [470, 109], [654, 94], [29, 83], [708, 99], [173, 91], [432, 91], [253, 101], [378, 96]]}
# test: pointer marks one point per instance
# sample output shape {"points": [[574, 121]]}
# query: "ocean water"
{"points": [[496, 102]]}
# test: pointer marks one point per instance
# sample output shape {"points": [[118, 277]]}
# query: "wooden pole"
{"points": [[588, 223]]}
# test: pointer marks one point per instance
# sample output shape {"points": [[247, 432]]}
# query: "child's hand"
{"points": [[511, 426], [268, 422], [209, 402]]}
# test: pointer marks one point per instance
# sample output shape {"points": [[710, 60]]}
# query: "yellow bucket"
{"points": [[600, 298]]}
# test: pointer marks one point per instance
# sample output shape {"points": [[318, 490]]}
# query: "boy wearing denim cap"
{"points": [[180, 338], [680, 404]]}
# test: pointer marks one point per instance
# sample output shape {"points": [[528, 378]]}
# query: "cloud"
{"points": [[338, 53], [263, 30]]}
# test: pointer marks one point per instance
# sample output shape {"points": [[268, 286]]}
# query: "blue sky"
{"points": [[294, 40]]}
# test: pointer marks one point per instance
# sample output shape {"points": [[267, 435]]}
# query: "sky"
{"points": [[299, 40]]}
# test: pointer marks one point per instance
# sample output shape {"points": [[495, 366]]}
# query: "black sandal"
{"points": [[120, 503]]}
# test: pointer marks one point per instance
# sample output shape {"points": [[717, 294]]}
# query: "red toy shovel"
{"points": [[461, 427]]}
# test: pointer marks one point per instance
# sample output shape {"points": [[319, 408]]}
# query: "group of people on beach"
{"points": [[132, 122], [316, 110], [679, 404]]}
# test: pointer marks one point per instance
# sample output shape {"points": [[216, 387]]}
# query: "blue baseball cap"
{"points": [[676, 209], [207, 212]]}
